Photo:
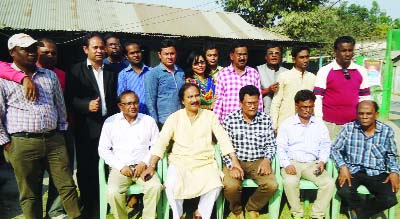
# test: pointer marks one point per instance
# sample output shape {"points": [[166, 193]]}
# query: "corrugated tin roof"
{"points": [[91, 15]]}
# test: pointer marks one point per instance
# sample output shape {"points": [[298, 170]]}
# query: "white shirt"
{"points": [[100, 84], [303, 143], [123, 143]]}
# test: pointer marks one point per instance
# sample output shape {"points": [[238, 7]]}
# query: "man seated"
{"points": [[192, 171], [366, 154], [303, 149], [124, 145], [254, 142]]}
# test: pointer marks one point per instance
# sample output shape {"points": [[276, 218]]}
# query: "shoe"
{"points": [[235, 216], [252, 214], [196, 214], [352, 214], [297, 217]]}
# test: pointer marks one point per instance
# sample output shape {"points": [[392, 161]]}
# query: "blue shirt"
{"points": [[117, 66], [162, 89], [128, 79], [303, 143], [375, 154]]}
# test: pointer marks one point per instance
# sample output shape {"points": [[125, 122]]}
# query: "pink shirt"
{"points": [[337, 97], [229, 82], [11, 74]]}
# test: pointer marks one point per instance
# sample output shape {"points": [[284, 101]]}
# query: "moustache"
{"points": [[195, 103]]}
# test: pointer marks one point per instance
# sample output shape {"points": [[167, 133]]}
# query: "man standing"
{"points": [[30, 131], [269, 73], [124, 145], [231, 79], [162, 84], [339, 86], [290, 82], [303, 150], [132, 77], [91, 93], [47, 52], [254, 142], [365, 153], [211, 52], [115, 59]]}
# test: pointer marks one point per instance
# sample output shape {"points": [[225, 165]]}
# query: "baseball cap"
{"points": [[21, 40]]}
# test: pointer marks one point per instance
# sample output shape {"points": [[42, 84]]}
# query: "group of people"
{"points": [[132, 115]]}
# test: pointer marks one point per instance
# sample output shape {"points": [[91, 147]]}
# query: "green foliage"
{"points": [[325, 24], [310, 20], [263, 13]]}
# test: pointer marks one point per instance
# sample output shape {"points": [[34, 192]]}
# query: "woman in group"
{"points": [[197, 72]]}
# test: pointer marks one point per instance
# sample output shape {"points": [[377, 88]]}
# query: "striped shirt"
{"points": [[21, 115], [375, 154], [128, 79], [229, 83], [251, 141], [337, 94]]}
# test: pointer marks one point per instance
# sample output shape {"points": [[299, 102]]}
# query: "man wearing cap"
{"points": [[30, 132]]}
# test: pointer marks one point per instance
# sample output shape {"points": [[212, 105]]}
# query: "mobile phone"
{"points": [[147, 177]]}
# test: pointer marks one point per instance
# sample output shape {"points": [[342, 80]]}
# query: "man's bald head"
{"points": [[368, 102]]}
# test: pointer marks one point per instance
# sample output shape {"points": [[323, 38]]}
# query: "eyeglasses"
{"points": [[346, 73], [250, 104], [199, 63], [130, 103], [273, 53]]}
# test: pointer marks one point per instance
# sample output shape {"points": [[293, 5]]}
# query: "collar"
{"points": [[37, 69], [165, 68], [297, 71], [296, 120], [378, 126], [232, 69], [121, 117], [144, 67], [256, 118], [88, 63], [336, 66]]}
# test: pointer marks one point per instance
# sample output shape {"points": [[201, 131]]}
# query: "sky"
{"points": [[392, 7]]}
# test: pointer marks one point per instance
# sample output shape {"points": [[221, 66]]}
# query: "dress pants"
{"points": [[117, 187], [30, 156], [291, 183], [383, 198], [87, 158], [267, 185]]}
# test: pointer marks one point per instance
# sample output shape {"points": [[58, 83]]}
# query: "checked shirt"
{"points": [[375, 154], [251, 141]]}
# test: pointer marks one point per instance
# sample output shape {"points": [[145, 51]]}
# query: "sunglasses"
{"points": [[346, 73]]}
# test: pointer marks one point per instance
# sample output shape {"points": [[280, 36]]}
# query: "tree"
{"points": [[325, 24], [263, 13]]}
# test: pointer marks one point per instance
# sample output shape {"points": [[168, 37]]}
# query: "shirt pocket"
{"points": [[377, 156]]}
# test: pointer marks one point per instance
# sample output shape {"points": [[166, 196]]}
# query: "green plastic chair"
{"points": [[304, 184], [132, 190], [336, 201], [273, 204]]}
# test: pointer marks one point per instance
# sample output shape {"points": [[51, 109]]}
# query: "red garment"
{"points": [[8, 73]]}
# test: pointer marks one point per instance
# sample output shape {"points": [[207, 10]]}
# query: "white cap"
{"points": [[21, 40]]}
